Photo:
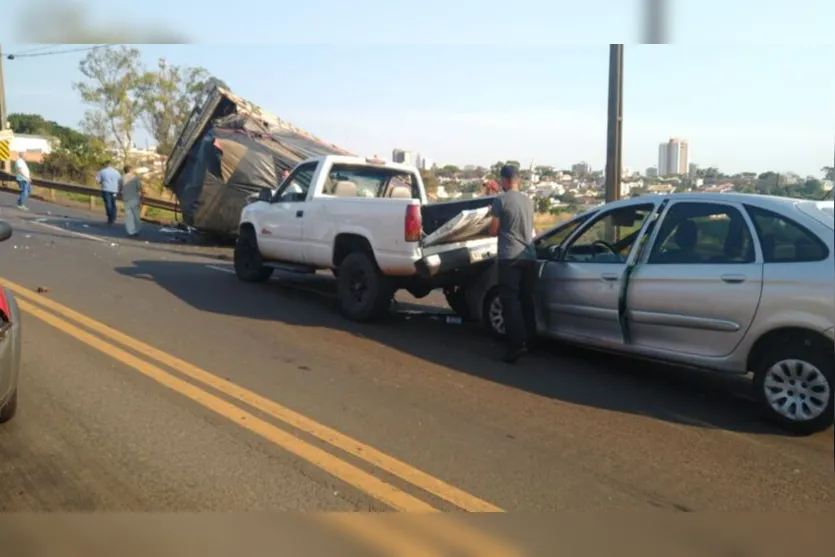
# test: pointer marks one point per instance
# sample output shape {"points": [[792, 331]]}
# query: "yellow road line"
{"points": [[367, 453], [459, 536], [372, 530], [365, 482]]}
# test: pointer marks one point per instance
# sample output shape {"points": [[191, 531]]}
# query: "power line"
{"points": [[41, 47], [55, 52]]}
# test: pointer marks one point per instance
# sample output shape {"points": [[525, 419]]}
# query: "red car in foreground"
{"points": [[10, 346]]}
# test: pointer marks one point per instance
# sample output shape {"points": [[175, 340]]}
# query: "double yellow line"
{"points": [[74, 324]]}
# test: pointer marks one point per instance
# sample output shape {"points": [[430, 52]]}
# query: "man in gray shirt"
{"points": [[513, 214]]}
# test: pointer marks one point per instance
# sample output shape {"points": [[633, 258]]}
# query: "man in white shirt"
{"points": [[24, 181]]}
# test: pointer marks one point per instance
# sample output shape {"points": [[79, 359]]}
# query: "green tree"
{"points": [[75, 156], [430, 182], [114, 83], [828, 172], [449, 171], [167, 96], [543, 204], [545, 171]]}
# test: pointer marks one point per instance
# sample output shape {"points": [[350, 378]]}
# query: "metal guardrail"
{"points": [[94, 193]]}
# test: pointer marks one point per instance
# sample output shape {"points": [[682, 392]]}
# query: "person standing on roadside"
{"points": [[513, 223], [108, 178], [130, 187], [24, 181]]}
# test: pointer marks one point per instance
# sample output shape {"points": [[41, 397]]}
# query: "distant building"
{"points": [[652, 172], [581, 168], [33, 147], [692, 170], [673, 157], [404, 157]]}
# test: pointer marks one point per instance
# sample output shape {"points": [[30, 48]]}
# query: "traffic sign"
{"points": [[5, 152]]}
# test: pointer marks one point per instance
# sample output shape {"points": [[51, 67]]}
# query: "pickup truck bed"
{"points": [[435, 215]]}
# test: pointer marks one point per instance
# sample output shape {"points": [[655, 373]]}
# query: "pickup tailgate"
{"points": [[455, 236], [447, 258]]}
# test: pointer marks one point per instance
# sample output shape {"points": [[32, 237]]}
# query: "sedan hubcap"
{"points": [[797, 390], [496, 315]]}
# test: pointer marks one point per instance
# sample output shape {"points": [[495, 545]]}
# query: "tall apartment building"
{"points": [[673, 157]]}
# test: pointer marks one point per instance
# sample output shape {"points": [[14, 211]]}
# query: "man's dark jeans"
{"points": [[517, 282], [109, 198]]}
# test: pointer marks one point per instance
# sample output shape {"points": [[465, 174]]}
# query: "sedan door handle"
{"points": [[733, 279], [610, 276], [299, 214]]}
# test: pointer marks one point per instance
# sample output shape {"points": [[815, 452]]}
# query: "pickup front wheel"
{"points": [[249, 267], [364, 292]]}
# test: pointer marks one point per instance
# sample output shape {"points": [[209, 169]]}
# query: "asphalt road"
{"points": [[154, 380]]}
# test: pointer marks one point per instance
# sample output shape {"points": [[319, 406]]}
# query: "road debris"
{"points": [[42, 290]]}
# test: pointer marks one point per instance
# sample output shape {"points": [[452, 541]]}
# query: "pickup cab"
{"points": [[369, 222]]}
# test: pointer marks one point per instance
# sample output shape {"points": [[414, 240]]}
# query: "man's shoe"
{"points": [[23, 207]]}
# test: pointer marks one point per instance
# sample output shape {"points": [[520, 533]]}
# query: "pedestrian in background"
{"points": [[108, 178], [130, 186], [24, 181], [513, 217], [489, 187]]}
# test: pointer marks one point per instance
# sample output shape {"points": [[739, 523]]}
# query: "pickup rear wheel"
{"points": [[249, 266], [794, 380], [364, 293], [456, 299]]}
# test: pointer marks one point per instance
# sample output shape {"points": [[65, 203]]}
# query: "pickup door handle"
{"points": [[733, 279], [299, 214], [610, 276]]}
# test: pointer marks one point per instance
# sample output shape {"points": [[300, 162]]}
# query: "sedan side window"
{"points": [[785, 241], [695, 232], [296, 185], [557, 236], [610, 237]]}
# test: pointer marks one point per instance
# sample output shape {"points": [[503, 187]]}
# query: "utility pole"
{"points": [[655, 21], [614, 144], [7, 165]]}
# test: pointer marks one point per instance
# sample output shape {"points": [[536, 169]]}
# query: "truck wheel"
{"points": [[10, 409], [364, 293], [249, 267], [492, 314], [456, 299], [794, 381]]}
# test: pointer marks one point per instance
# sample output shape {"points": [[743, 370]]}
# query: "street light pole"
{"points": [[614, 144], [654, 24]]}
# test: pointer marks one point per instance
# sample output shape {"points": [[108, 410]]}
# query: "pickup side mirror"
{"points": [[5, 231], [554, 253], [265, 195]]}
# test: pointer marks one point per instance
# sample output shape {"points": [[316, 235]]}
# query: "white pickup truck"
{"points": [[367, 220]]}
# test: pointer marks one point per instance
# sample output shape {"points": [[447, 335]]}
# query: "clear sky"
{"points": [[741, 107]]}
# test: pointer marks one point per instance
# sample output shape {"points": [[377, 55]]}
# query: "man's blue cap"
{"points": [[509, 172]]}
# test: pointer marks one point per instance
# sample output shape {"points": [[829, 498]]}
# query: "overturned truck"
{"points": [[228, 150]]}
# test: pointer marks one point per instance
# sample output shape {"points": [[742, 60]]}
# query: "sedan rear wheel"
{"points": [[492, 314], [794, 386], [9, 409]]}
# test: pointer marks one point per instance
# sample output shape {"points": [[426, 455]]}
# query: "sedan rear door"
{"points": [[696, 288]]}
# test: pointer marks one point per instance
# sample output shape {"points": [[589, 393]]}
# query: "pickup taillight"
{"points": [[413, 223]]}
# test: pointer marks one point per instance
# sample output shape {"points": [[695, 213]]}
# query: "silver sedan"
{"points": [[729, 282], [9, 345]]}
